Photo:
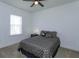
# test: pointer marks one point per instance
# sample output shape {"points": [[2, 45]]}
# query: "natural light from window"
{"points": [[15, 25]]}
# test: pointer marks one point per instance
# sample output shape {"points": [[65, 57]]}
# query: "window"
{"points": [[15, 25]]}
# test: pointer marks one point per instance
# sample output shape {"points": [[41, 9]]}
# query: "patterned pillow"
{"points": [[43, 33]]}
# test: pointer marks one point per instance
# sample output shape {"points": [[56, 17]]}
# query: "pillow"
{"points": [[43, 33], [51, 34]]}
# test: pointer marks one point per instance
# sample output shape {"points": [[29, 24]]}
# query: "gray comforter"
{"points": [[40, 46]]}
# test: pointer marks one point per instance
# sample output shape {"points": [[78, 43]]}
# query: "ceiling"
{"points": [[25, 5]]}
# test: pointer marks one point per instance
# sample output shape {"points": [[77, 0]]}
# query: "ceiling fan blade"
{"points": [[32, 5], [41, 4]]}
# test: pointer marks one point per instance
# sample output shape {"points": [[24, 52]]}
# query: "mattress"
{"points": [[40, 46]]}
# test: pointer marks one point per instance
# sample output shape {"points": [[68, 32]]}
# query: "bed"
{"points": [[40, 46]]}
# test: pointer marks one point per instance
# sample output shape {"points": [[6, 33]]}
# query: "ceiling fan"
{"points": [[36, 2]]}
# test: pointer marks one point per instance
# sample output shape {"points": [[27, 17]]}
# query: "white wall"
{"points": [[5, 12], [63, 19]]}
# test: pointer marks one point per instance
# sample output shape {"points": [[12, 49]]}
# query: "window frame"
{"points": [[16, 25]]}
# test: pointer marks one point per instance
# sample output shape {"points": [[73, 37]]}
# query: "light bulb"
{"points": [[36, 2]]}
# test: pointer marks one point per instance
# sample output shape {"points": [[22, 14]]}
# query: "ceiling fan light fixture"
{"points": [[36, 2]]}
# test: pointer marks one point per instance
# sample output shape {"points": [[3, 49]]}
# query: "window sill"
{"points": [[16, 35]]}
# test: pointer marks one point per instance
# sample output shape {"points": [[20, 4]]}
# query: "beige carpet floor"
{"points": [[11, 52]]}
